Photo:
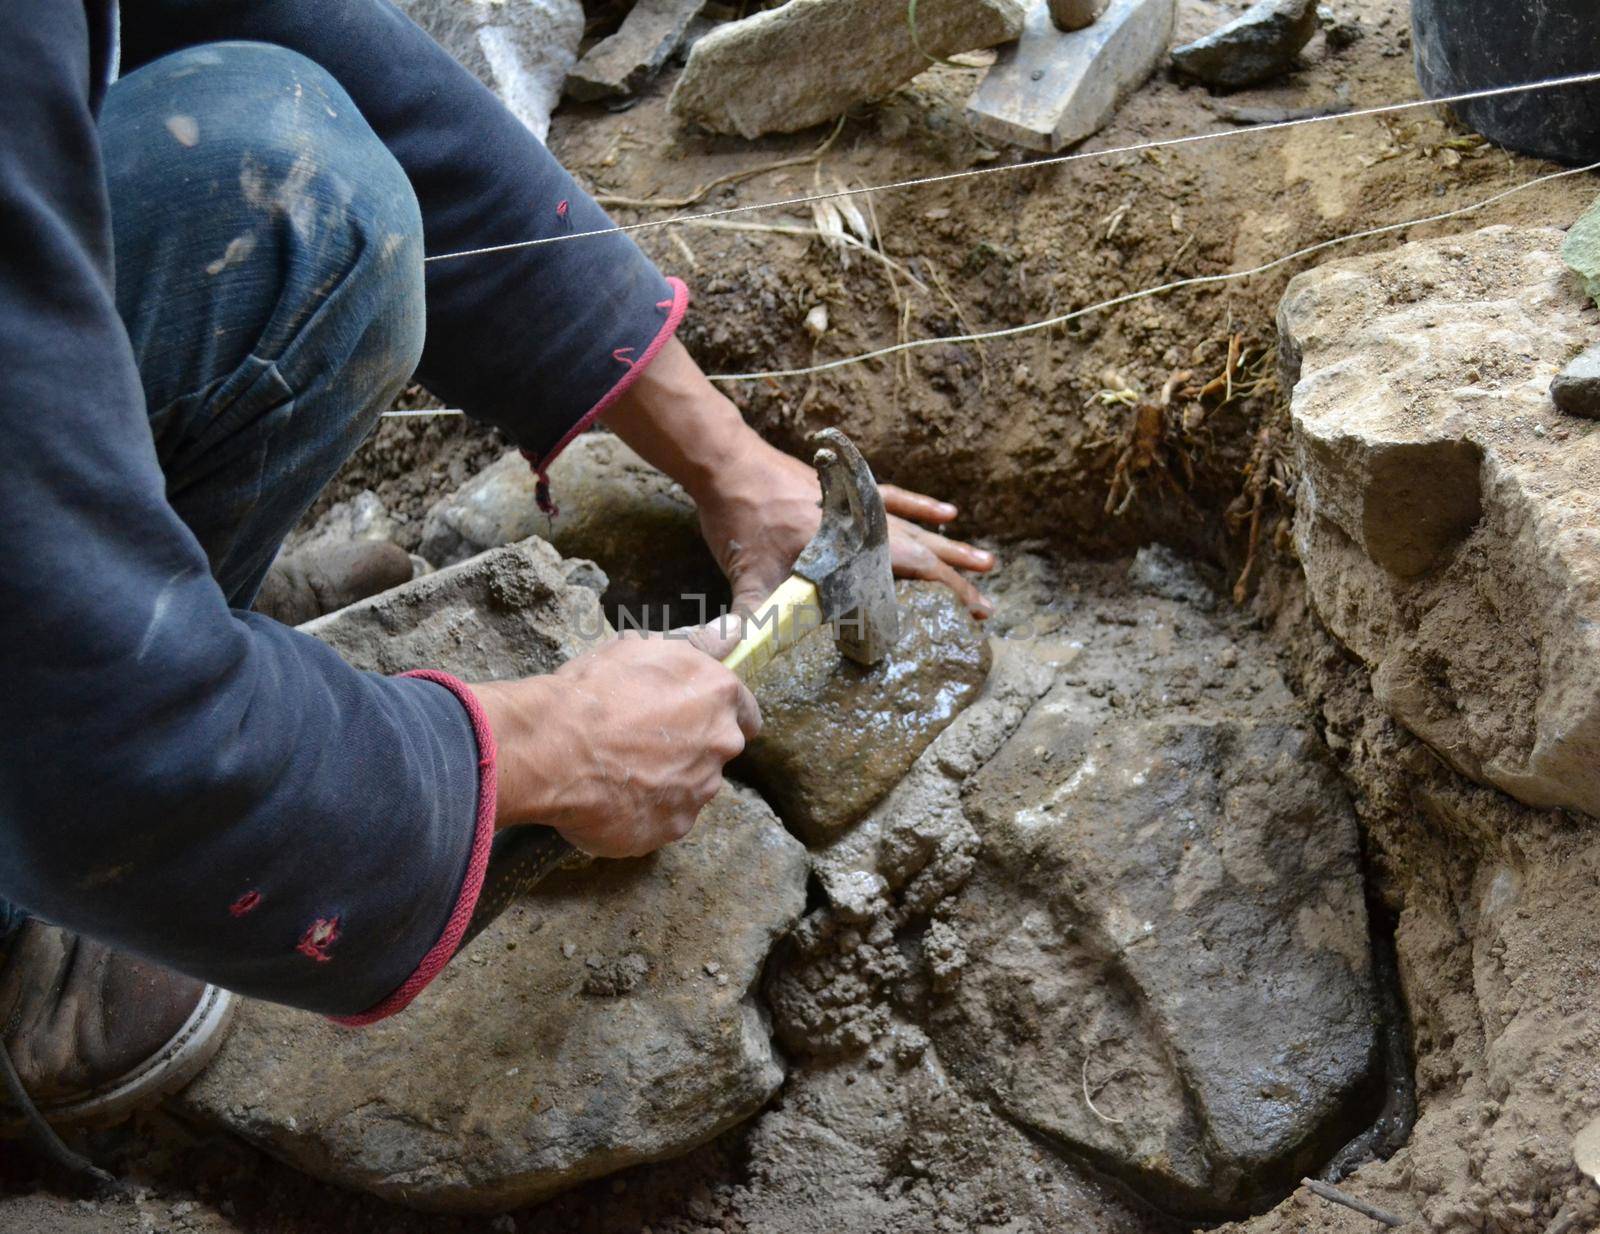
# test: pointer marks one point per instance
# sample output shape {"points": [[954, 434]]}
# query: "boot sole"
{"points": [[167, 1070]]}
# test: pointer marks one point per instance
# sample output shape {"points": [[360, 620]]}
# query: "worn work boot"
{"points": [[88, 1035], [325, 578]]}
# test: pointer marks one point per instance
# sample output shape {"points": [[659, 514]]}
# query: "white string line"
{"points": [[1199, 280], [971, 173]]}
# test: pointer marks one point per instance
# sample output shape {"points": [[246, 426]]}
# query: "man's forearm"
{"points": [[678, 422]]}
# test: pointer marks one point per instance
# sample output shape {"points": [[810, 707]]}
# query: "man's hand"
{"points": [[765, 508], [758, 506], [619, 749]]}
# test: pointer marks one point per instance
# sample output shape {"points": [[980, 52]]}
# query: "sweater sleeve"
{"points": [[200, 786], [539, 341]]}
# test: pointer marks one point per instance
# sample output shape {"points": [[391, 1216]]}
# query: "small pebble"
{"points": [[569, 949]]}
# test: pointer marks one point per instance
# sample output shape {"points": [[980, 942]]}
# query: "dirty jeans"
{"points": [[268, 331]]}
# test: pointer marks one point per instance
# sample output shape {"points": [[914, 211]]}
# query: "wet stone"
{"points": [[1260, 45], [838, 736]]}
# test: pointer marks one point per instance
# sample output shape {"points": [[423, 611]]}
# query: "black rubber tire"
{"points": [[1464, 45]]}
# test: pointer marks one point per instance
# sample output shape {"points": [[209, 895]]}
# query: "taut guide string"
{"points": [[1013, 331]]}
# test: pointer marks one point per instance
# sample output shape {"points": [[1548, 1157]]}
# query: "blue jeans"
{"points": [[274, 294]]}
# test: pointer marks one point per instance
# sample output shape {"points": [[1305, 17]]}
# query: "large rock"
{"points": [[1256, 47], [836, 736], [1449, 514], [1176, 979], [521, 49], [812, 60], [615, 510], [606, 1020], [623, 63], [1126, 870]]}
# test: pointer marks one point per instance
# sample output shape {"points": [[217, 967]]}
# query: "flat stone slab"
{"points": [[1449, 513], [1054, 88], [1259, 45], [605, 1020], [621, 65], [1175, 976], [836, 736], [810, 61]]}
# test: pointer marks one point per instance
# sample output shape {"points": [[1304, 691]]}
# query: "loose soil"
{"points": [[1032, 437]]}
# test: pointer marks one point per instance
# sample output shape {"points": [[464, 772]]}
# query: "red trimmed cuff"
{"points": [[477, 864], [675, 309]]}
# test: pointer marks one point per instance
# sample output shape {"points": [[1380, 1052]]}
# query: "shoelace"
{"points": [[43, 1134]]}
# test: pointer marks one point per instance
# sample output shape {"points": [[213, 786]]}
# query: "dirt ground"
{"points": [[1034, 437]]}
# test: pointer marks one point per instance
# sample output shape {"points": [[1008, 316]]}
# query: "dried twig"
{"points": [[699, 195], [1089, 1101], [1334, 1196]]}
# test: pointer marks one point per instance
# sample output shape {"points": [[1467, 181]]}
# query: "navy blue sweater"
{"points": [[164, 759]]}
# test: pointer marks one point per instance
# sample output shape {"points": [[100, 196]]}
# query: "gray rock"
{"points": [[521, 49], [1254, 48], [1448, 518], [603, 1021], [516, 611], [1576, 389], [1175, 976], [363, 517], [812, 60], [1076, 14], [622, 64], [836, 736], [522, 1070], [1054, 88], [615, 510]]}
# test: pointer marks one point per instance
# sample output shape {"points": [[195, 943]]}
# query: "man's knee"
{"points": [[231, 154]]}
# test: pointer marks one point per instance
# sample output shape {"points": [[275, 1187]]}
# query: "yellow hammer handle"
{"points": [[789, 614]]}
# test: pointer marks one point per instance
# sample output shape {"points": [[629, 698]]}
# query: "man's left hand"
{"points": [[765, 509], [758, 506]]}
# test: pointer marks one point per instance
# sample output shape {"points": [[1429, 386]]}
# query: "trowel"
{"points": [[844, 579]]}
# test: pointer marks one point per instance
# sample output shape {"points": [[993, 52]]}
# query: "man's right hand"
{"points": [[619, 749]]}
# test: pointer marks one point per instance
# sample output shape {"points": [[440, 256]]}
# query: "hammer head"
{"points": [[848, 559]]}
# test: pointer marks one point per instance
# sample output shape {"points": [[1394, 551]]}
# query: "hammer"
{"points": [[844, 578]]}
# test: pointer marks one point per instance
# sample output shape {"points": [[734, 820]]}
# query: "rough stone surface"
{"points": [[812, 60], [623, 63], [1256, 47], [836, 736], [1126, 866], [1449, 514], [1170, 915], [615, 510], [525, 1069], [1576, 389], [516, 611], [521, 49], [606, 1020], [1054, 88]]}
